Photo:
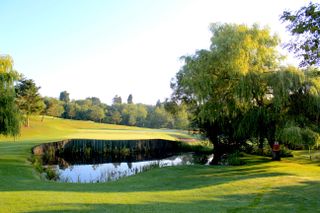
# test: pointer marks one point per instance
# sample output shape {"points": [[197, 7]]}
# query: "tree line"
{"points": [[127, 113], [25, 100]]}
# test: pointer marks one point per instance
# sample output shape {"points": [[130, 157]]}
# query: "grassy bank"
{"points": [[292, 185]]}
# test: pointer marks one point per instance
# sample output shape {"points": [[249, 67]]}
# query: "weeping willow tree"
{"points": [[290, 106], [237, 91], [9, 112], [297, 102], [226, 86]]}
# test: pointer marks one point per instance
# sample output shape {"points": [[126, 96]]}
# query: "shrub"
{"points": [[251, 147], [232, 159], [51, 174]]}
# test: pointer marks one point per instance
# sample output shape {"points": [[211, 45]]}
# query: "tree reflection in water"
{"points": [[93, 173]]}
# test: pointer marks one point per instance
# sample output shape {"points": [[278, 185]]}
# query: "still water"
{"points": [[111, 171]]}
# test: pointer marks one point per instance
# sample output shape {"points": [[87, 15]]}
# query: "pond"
{"points": [[92, 161]]}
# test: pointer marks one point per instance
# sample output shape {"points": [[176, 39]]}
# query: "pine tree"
{"points": [[28, 99]]}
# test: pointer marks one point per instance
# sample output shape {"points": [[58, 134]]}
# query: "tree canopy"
{"points": [[53, 107], [96, 113], [237, 89], [130, 99], [28, 99], [304, 25], [117, 100], [64, 96]]}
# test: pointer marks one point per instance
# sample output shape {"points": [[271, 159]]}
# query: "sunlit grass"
{"points": [[292, 185], [56, 128]]}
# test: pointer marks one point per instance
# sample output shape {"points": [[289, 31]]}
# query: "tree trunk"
{"points": [[310, 153], [27, 121], [217, 154], [275, 147], [261, 140]]}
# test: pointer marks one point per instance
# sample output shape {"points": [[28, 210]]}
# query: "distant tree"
{"points": [[116, 117], [179, 113], [90, 109], [117, 100], [304, 25], [64, 96], [134, 114], [82, 109], [129, 114], [160, 118], [53, 107], [84, 103], [9, 112], [94, 100], [28, 99], [70, 110], [181, 118], [171, 106], [158, 104], [96, 113], [130, 99], [142, 114]]}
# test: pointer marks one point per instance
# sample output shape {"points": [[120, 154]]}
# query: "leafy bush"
{"points": [[198, 148], [251, 147], [36, 163], [125, 151], [51, 174], [233, 159], [285, 152]]}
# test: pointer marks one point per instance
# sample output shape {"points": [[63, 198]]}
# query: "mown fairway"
{"points": [[292, 185]]}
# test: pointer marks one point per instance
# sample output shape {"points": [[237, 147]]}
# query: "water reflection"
{"points": [[81, 160], [93, 173]]}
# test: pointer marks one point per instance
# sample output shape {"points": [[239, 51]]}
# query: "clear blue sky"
{"points": [[106, 47]]}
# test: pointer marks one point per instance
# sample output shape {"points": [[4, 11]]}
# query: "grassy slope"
{"points": [[260, 186]]}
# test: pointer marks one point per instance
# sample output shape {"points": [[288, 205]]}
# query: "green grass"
{"points": [[292, 185]]}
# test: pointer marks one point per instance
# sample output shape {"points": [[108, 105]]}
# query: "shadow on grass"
{"points": [[297, 198], [159, 179], [303, 157], [112, 129]]}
